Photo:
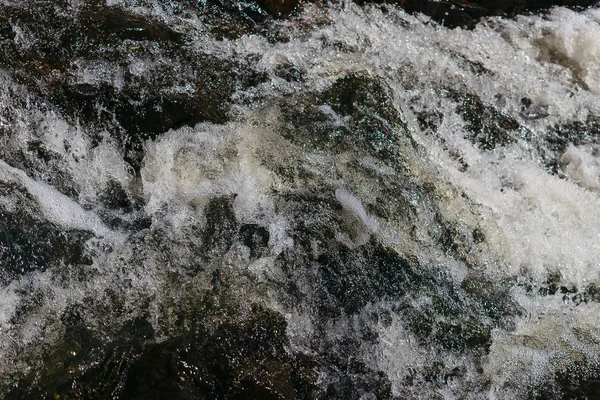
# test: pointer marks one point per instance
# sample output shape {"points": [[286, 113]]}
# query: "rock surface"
{"points": [[249, 224]]}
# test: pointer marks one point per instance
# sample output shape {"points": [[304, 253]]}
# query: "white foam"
{"points": [[362, 225], [56, 207], [534, 223], [582, 165], [194, 165]]}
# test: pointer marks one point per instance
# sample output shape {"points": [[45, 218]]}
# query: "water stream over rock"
{"points": [[299, 200]]}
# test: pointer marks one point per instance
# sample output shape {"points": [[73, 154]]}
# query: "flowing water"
{"points": [[360, 204]]}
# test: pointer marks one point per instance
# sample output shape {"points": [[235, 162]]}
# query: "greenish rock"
{"points": [[575, 132], [354, 278], [492, 297], [363, 117], [486, 126]]}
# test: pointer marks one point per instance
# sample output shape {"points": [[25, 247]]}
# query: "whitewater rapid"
{"points": [[475, 200]]}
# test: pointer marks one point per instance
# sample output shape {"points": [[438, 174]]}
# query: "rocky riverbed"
{"points": [[299, 200]]}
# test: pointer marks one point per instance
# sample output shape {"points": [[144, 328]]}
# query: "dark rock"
{"points": [[143, 110], [138, 108], [576, 132], [102, 23], [28, 242], [578, 379], [73, 315], [237, 358], [46, 166], [475, 66], [478, 236], [466, 14], [289, 73], [220, 229], [359, 385], [463, 335], [356, 277], [115, 197], [365, 118], [230, 19], [138, 328], [429, 120], [256, 238], [6, 30], [486, 126], [279, 8], [536, 5], [493, 297]]}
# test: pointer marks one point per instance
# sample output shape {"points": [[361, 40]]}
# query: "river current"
{"points": [[351, 203]]}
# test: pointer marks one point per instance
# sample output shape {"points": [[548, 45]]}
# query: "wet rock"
{"points": [[6, 30], [360, 383], [534, 5], [354, 278], [28, 242], [576, 132], [102, 23], [243, 357], [279, 8], [348, 279], [476, 67], [115, 197], [246, 359], [463, 335], [138, 328], [256, 238], [289, 72], [493, 297], [577, 376], [486, 126], [355, 112], [132, 107], [429, 121], [231, 19], [532, 111], [144, 108], [220, 229], [478, 236], [45, 165], [466, 14]]}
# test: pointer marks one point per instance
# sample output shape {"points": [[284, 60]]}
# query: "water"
{"points": [[356, 203]]}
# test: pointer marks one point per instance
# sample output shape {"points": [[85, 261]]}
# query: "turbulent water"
{"points": [[354, 203]]}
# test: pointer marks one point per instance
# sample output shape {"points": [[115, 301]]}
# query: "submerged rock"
{"points": [[236, 357], [289, 238], [29, 242], [70, 42], [355, 112], [486, 126]]}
